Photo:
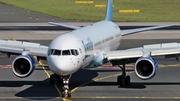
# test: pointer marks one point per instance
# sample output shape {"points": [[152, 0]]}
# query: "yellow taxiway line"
{"points": [[48, 75], [42, 66], [97, 79], [125, 97], [115, 75], [99, 97]]}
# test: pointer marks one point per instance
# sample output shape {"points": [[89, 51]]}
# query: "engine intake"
{"points": [[23, 66], [146, 68]]}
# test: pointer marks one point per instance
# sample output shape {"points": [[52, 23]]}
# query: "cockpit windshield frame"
{"points": [[67, 52]]}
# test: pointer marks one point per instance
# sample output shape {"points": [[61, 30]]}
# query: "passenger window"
{"points": [[66, 52]]}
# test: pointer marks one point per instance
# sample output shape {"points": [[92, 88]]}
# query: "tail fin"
{"points": [[109, 10]]}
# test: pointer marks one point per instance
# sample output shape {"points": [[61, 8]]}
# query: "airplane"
{"points": [[92, 46]]}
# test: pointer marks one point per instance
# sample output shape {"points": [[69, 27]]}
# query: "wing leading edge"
{"points": [[20, 47], [146, 50]]}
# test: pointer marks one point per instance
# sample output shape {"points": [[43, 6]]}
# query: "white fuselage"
{"points": [[69, 52]]}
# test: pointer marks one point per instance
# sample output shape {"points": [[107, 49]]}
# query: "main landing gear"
{"points": [[123, 79], [63, 79]]}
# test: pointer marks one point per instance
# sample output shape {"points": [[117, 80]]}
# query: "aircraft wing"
{"points": [[20, 47], [145, 51], [64, 25], [131, 31]]}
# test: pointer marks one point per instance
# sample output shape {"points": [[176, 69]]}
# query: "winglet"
{"points": [[109, 10]]}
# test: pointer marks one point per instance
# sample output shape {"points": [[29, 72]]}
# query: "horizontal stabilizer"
{"points": [[131, 31], [64, 25]]}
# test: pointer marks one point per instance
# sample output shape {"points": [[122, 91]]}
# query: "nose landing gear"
{"points": [[66, 92], [63, 79]]}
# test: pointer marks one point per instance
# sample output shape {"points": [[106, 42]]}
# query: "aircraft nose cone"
{"points": [[62, 66]]}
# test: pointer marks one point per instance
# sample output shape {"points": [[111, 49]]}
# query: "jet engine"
{"points": [[23, 66], [146, 68]]}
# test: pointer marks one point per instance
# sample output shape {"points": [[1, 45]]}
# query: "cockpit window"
{"points": [[66, 52], [77, 53], [63, 52], [57, 52], [54, 52], [74, 52]]}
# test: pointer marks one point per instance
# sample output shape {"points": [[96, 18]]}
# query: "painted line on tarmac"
{"points": [[42, 65], [123, 97], [97, 97], [129, 67], [97, 79], [58, 90], [10, 66], [116, 67], [13, 97], [5, 66], [48, 75], [110, 76]]}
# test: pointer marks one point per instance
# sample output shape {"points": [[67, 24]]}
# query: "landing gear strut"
{"points": [[66, 91], [123, 79], [63, 79]]}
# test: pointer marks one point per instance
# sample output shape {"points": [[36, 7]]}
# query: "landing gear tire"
{"points": [[65, 80], [69, 93], [66, 92], [121, 80], [63, 94], [127, 80]]}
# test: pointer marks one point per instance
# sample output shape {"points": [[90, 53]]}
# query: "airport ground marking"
{"points": [[48, 75], [124, 97], [115, 75], [97, 79], [129, 11], [13, 97], [159, 66], [42, 66], [98, 97], [65, 99]]}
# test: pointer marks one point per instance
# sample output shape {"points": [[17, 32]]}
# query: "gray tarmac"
{"points": [[9, 14], [86, 84], [95, 83]]}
